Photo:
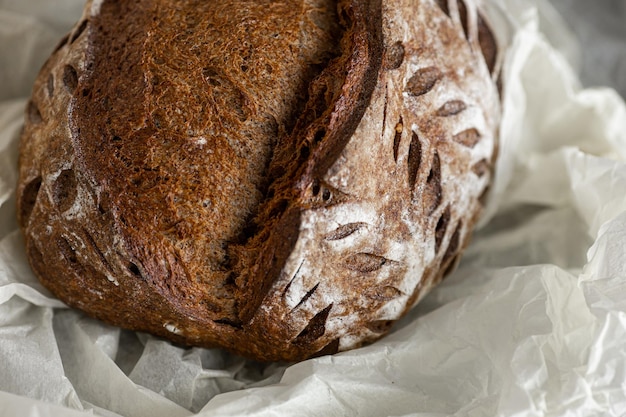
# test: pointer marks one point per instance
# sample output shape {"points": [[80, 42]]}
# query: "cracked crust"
{"points": [[229, 174]]}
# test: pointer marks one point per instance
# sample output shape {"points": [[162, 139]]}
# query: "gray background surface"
{"points": [[600, 26]]}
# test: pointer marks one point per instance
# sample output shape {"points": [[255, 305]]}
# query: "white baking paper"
{"points": [[533, 323]]}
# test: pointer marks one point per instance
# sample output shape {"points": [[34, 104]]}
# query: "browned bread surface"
{"points": [[278, 178]]}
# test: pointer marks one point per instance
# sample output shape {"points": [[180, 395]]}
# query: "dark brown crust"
{"points": [[345, 86], [115, 156], [172, 152], [148, 141]]}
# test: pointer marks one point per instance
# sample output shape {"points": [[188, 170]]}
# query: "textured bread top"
{"points": [[177, 127], [278, 178]]}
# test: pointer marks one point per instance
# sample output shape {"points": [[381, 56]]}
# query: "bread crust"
{"points": [[229, 174]]}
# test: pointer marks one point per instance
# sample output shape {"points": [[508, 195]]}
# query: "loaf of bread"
{"points": [[282, 179]]}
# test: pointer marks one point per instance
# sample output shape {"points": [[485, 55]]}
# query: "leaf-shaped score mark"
{"points": [[451, 108], [423, 81], [468, 138], [443, 4], [380, 326], [34, 115], [64, 190], [79, 31], [70, 78], [414, 160], [488, 44], [433, 192], [463, 15], [307, 296], [481, 168], [365, 262], [344, 231], [315, 329], [385, 293], [454, 245], [394, 56], [442, 227], [29, 199]]}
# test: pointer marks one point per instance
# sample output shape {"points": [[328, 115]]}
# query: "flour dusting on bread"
{"points": [[282, 180]]}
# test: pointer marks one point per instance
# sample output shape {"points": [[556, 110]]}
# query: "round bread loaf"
{"points": [[282, 179]]}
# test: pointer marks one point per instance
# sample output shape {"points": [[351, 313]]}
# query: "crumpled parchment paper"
{"points": [[533, 323]]}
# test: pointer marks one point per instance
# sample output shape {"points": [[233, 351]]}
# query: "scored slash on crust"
{"points": [[427, 188], [372, 235]]}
